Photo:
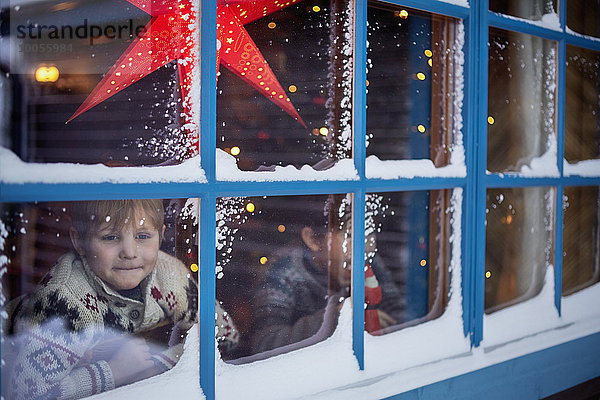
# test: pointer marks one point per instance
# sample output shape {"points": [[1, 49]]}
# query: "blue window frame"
{"points": [[477, 21]]}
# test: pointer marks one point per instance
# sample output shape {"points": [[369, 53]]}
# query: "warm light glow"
{"points": [[271, 25], [421, 76], [509, 219], [324, 131], [235, 151], [421, 128], [316, 9], [428, 53], [281, 228], [488, 274], [367, 82], [423, 263], [194, 267], [430, 62], [263, 260], [491, 120], [403, 14], [292, 88], [250, 207], [46, 74]]}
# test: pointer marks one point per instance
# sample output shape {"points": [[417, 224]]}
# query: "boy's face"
{"points": [[122, 258]]}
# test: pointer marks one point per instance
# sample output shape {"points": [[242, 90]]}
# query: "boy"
{"points": [[74, 333]]}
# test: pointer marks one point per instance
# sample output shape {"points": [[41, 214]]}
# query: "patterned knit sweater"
{"points": [[67, 329]]}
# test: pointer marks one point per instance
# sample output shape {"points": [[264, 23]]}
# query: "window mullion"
{"points": [[207, 294]]}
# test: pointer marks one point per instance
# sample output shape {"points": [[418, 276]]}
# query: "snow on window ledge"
{"points": [[582, 168], [548, 21], [394, 169], [227, 170], [15, 171], [540, 167]]}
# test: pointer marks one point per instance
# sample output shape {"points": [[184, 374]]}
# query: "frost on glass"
{"points": [[521, 99], [59, 52], [99, 293], [581, 238], [582, 105], [283, 269], [519, 244], [308, 47], [414, 62], [582, 16], [407, 252], [528, 9]]}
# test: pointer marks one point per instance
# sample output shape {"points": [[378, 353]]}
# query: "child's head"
{"points": [[119, 238]]}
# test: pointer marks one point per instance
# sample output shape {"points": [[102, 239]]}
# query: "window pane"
{"points": [[61, 52], [521, 99], [519, 244], [582, 107], [101, 279], [581, 238], [307, 51], [407, 258], [582, 16], [529, 9], [283, 269], [412, 70]]}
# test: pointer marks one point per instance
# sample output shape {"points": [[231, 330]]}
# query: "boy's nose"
{"points": [[128, 248]]}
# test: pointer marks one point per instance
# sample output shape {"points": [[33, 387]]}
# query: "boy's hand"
{"points": [[132, 362]]}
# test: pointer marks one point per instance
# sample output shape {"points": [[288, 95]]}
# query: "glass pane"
{"points": [[283, 269], [582, 16], [528, 9], [99, 293], [519, 244], [62, 55], [292, 107], [582, 105], [407, 258], [413, 62], [581, 238], [521, 99]]}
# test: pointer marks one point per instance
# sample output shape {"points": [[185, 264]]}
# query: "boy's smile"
{"points": [[122, 257]]}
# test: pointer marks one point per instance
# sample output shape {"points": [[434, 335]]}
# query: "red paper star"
{"points": [[169, 36]]}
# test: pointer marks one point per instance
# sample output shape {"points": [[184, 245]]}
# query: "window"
{"points": [[464, 134]]}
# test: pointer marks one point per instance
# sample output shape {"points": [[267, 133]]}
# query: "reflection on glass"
{"points": [[519, 244], [283, 269], [582, 16], [581, 238], [59, 54], [521, 99], [407, 258], [308, 48], [582, 107], [528, 9], [96, 294], [412, 70]]}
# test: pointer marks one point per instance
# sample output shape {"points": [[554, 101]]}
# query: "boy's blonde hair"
{"points": [[89, 216]]}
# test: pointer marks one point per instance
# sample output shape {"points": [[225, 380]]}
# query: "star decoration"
{"points": [[170, 36]]}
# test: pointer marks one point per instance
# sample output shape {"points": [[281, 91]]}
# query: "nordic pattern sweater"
{"points": [[62, 326]]}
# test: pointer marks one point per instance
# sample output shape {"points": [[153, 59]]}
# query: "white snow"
{"points": [[543, 166], [14, 171], [393, 169], [548, 21], [227, 170], [572, 32], [582, 168], [463, 3]]}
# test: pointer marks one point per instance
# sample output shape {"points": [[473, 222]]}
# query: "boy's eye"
{"points": [[143, 236], [110, 237]]}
